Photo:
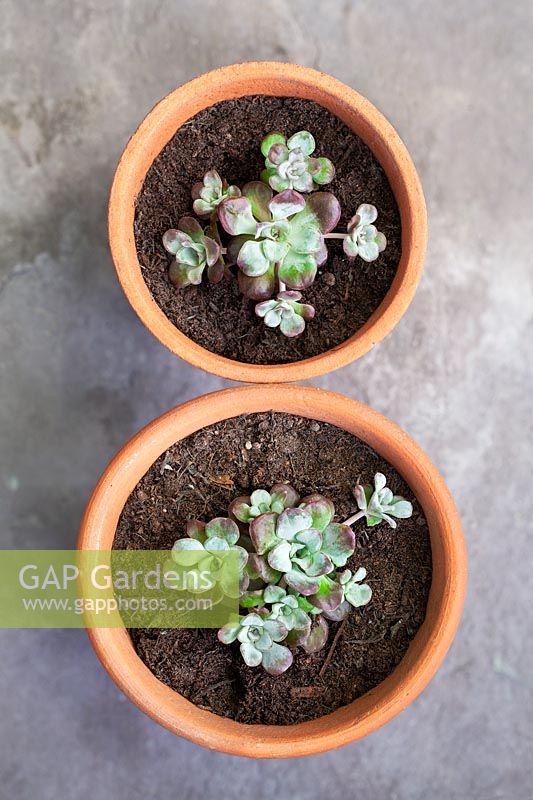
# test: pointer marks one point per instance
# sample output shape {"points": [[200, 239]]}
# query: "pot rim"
{"points": [[425, 652], [278, 79]]}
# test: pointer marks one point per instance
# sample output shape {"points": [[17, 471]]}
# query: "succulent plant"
{"points": [[280, 497], [210, 193], [363, 238], [259, 638], [289, 165], [378, 503], [356, 593], [283, 233], [302, 544], [218, 535], [193, 251], [286, 312]]}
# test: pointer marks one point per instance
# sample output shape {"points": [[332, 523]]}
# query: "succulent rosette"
{"points": [[259, 638], [286, 312], [208, 194], [281, 496], [194, 252], [363, 238], [303, 544], [282, 233], [289, 165], [378, 503]]}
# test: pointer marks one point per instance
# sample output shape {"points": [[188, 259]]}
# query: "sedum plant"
{"points": [[289, 165], [272, 234], [379, 504], [294, 577], [210, 193]]}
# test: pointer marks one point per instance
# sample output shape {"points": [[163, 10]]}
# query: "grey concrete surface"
{"points": [[79, 373]]}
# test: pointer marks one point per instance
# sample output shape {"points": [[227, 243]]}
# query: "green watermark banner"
{"points": [[118, 588]]}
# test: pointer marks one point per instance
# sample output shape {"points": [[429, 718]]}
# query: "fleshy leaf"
{"points": [[302, 583], [292, 521], [338, 543], [325, 171], [329, 594], [286, 204], [304, 141], [279, 557], [358, 594], [298, 270], [259, 566], [326, 209], [317, 637], [251, 655], [223, 528], [263, 532], [277, 659], [195, 529], [235, 215], [269, 140], [291, 326], [228, 633], [259, 288], [252, 260], [321, 510], [259, 195]]}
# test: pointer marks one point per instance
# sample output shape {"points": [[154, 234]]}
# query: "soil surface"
{"points": [[227, 137], [197, 478]]}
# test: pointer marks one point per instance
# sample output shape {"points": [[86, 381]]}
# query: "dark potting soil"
{"points": [[227, 137], [197, 478]]}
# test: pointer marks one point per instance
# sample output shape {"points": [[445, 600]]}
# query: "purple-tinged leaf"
{"points": [[251, 655], [284, 492], [278, 153], [321, 509], [240, 509], [258, 288], [171, 241], [215, 272], [258, 566], [326, 208], [263, 532], [223, 528], [323, 171], [228, 633], [298, 271], [269, 140], [195, 529], [302, 583], [192, 228], [279, 557], [259, 194], [286, 204], [292, 326], [277, 659], [339, 613], [329, 594], [235, 215], [317, 636], [212, 251], [338, 543]]}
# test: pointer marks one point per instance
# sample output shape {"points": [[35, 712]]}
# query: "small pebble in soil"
{"points": [[329, 279]]}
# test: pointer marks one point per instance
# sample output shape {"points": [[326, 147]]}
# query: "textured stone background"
{"points": [[79, 374]]}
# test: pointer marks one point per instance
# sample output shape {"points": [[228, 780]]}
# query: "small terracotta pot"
{"points": [[289, 80], [426, 651]]}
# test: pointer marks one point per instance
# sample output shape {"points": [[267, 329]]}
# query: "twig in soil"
{"points": [[329, 656], [371, 640], [304, 692], [212, 688]]}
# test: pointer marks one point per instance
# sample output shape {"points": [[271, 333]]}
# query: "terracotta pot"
{"points": [[269, 78], [425, 652]]}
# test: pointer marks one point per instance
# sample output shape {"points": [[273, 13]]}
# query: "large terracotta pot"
{"points": [[425, 652], [269, 78]]}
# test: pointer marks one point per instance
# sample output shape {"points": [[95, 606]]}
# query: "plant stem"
{"points": [[335, 235], [354, 518], [281, 286]]}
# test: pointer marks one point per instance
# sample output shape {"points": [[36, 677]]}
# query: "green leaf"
{"points": [[235, 215], [252, 261], [304, 140], [269, 140], [273, 594], [358, 594], [259, 195], [228, 633], [298, 270], [305, 235], [263, 532], [292, 521], [326, 208], [192, 228], [338, 543], [286, 204], [279, 557], [325, 171], [329, 594], [223, 528], [251, 655], [301, 582], [277, 659], [321, 509]]}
